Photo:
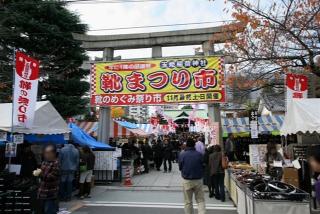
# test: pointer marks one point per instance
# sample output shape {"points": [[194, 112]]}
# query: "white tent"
{"points": [[303, 115], [47, 120]]}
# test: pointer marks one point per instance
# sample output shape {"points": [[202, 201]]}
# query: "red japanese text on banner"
{"points": [[162, 81], [25, 90]]}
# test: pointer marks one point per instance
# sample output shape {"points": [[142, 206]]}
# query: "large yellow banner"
{"points": [[161, 81]]}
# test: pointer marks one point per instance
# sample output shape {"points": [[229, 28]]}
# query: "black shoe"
{"points": [[211, 195], [165, 171]]}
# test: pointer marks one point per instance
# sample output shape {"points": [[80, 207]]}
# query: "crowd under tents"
{"points": [[302, 116], [48, 125], [81, 138]]}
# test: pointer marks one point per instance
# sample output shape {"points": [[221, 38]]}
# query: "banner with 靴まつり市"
{"points": [[161, 81]]}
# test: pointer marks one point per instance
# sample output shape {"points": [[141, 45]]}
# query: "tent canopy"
{"points": [[117, 128], [83, 139], [303, 115], [47, 120], [266, 124]]}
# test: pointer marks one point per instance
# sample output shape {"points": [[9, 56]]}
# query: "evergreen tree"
{"points": [[43, 29]]}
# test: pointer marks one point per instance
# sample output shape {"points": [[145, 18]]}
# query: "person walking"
{"points": [[49, 184], [87, 160], [207, 177], [200, 146], [217, 172], [191, 167], [167, 156], [69, 163], [157, 154], [147, 154]]}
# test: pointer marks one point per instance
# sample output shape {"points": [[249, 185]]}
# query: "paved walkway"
{"points": [[159, 179], [153, 190]]}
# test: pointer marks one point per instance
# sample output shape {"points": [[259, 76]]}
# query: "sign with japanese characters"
{"points": [[163, 81], [297, 86], [25, 90], [253, 119]]}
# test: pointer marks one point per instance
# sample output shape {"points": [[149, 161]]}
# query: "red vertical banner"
{"points": [[25, 90], [297, 86]]}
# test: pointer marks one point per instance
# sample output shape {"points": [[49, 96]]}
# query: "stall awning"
{"points": [[303, 115], [80, 137], [147, 128], [270, 123], [47, 120], [266, 124], [235, 125], [117, 129]]}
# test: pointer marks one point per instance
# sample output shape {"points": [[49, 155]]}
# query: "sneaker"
{"points": [[82, 197]]}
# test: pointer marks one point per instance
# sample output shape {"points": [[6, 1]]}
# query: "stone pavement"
{"points": [[153, 190], [155, 179]]}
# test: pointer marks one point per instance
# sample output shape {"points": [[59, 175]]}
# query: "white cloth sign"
{"points": [[25, 90], [3, 136]]}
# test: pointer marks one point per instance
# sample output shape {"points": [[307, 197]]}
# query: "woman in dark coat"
{"points": [[207, 177]]}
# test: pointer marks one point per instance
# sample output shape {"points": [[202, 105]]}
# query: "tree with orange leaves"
{"points": [[279, 36]]}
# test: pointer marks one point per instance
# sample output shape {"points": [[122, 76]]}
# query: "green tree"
{"points": [[43, 29]]}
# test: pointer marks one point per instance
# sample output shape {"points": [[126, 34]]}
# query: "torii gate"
{"points": [[206, 37]]}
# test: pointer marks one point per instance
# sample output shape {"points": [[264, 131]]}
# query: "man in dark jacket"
{"points": [[157, 154], [167, 155], [191, 167]]}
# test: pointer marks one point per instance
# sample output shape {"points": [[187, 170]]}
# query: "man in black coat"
{"points": [[157, 154], [167, 155]]}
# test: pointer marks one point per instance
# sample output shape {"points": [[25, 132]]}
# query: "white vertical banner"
{"points": [[25, 90]]}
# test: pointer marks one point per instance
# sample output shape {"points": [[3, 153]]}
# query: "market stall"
{"points": [[253, 193], [48, 125], [302, 119], [19, 191]]}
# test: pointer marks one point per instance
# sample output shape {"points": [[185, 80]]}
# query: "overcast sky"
{"points": [[122, 15]]}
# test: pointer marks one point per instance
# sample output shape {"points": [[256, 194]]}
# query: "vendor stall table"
{"points": [[264, 206]]}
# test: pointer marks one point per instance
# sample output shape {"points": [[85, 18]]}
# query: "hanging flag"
{"points": [[25, 90], [297, 86]]}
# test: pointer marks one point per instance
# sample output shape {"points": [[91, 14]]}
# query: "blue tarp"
{"points": [[83, 139], [55, 138], [35, 138], [127, 124]]}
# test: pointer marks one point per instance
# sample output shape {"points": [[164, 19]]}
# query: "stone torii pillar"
{"points": [[105, 112], [213, 108]]}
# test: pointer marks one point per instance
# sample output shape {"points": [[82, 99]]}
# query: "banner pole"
{"points": [[12, 110]]}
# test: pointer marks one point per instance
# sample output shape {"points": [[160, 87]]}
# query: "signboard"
{"points": [[297, 86], [163, 81], [3, 136], [11, 150], [105, 161], [253, 119], [214, 133], [25, 90], [18, 138]]}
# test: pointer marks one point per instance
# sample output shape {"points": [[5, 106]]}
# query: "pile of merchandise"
{"points": [[16, 195], [263, 187]]}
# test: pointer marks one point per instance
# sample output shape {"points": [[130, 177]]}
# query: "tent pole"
{"points": [[12, 106]]}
